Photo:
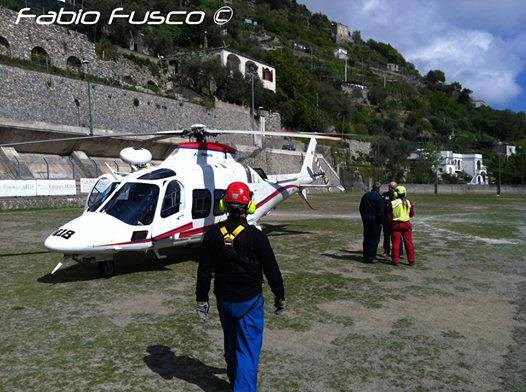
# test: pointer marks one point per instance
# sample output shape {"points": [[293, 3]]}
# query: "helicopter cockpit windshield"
{"points": [[134, 203]]}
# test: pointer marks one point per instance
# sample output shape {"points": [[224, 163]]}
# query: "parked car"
{"points": [[289, 147]]}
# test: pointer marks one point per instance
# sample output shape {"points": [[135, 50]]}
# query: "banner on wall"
{"points": [[87, 184], [11, 188], [56, 187]]}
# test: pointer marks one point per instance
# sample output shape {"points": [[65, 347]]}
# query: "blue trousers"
{"points": [[371, 237], [242, 324]]}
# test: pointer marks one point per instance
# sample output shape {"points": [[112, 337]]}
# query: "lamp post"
{"points": [[499, 151], [90, 106]]}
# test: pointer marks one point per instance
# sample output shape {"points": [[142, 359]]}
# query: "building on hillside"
{"points": [[341, 33], [506, 149], [341, 54], [245, 65], [393, 67], [355, 88], [471, 164], [300, 48], [136, 43], [479, 103], [459, 165]]}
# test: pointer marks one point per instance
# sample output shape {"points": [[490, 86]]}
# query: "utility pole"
{"points": [[499, 152], [252, 110], [90, 106], [345, 69]]}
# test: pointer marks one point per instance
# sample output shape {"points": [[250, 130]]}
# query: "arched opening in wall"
{"points": [[479, 165], [251, 68], [4, 46], [129, 80], [40, 56], [232, 62], [151, 85], [268, 75], [74, 63]]}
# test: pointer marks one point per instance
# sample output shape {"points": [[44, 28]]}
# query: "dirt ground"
{"points": [[455, 321]]}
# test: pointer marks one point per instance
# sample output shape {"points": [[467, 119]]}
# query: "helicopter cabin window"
{"points": [[172, 199], [218, 195], [134, 203], [157, 174], [202, 200], [100, 192]]}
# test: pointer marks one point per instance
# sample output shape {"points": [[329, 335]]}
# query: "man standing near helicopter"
{"points": [[238, 255]]}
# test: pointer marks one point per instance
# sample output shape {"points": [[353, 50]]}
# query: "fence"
{"points": [[64, 168]]}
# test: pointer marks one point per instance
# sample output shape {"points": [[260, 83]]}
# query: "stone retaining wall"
{"points": [[34, 96]]}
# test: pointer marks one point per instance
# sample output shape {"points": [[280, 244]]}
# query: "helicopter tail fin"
{"points": [[307, 167]]}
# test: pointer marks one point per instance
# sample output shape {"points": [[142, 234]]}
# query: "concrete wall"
{"points": [[15, 203], [35, 96], [462, 188]]}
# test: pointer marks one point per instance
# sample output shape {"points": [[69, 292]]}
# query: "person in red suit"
{"points": [[399, 214]]}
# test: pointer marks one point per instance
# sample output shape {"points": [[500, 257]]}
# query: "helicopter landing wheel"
{"points": [[106, 268]]}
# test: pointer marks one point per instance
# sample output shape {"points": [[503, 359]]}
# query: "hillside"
{"points": [[399, 109]]}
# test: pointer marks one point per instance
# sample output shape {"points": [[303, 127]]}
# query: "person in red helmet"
{"points": [[389, 196], [238, 255], [400, 212]]}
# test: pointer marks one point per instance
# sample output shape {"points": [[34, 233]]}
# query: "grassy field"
{"points": [[457, 321]]}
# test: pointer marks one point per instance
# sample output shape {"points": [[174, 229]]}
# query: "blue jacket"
{"points": [[372, 207]]}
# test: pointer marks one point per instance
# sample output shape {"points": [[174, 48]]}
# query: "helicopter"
{"points": [[172, 204]]}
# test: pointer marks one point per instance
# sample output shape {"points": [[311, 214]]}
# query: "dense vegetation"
{"points": [[402, 109]]}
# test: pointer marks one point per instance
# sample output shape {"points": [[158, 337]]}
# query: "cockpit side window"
{"points": [[134, 203], [100, 192], [172, 199]]}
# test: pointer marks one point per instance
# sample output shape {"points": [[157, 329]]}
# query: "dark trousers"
{"points": [[387, 241], [371, 238]]}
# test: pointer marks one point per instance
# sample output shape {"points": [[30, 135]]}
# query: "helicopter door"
{"points": [[171, 215], [104, 187]]}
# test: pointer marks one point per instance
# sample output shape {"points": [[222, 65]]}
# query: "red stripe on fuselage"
{"points": [[174, 231], [279, 191]]}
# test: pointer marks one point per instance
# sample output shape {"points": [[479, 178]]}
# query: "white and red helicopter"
{"points": [[172, 204]]}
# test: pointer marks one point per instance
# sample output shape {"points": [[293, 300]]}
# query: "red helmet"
{"points": [[393, 185], [238, 192]]}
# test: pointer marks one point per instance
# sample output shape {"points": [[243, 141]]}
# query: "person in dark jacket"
{"points": [[373, 215], [389, 196], [238, 255]]}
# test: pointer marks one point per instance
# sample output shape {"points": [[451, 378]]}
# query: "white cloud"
{"points": [[481, 44]]}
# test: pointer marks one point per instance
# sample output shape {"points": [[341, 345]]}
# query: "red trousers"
{"points": [[399, 231]]}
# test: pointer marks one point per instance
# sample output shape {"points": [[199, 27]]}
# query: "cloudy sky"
{"points": [[480, 43]]}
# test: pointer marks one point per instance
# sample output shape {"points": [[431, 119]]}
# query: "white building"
{"points": [[471, 164], [393, 67], [234, 60], [341, 54]]}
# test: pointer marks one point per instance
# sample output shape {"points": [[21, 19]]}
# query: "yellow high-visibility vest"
{"points": [[400, 212], [230, 237]]}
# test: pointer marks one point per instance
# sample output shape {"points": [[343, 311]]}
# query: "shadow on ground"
{"points": [[36, 252], [127, 263], [163, 361], [280, 230], [355, 255]]}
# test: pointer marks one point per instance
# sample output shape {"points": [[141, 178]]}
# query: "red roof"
{"points": [[208, 146]]}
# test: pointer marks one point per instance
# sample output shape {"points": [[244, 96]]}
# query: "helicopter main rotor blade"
{"points": [[307, 135], [93, 137]]}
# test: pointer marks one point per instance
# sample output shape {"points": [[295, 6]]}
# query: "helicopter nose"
{"points": [[86, 233]]}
